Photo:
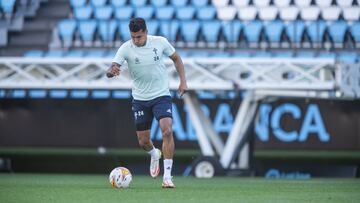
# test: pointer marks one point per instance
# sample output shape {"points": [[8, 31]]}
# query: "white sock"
{"points": [[153, 152], [167, 168]]}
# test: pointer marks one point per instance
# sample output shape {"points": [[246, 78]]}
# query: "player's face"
{"points": [[139, 38]]}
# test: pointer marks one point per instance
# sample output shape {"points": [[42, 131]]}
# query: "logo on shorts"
{"points": [[169, 110], [138, 113]]}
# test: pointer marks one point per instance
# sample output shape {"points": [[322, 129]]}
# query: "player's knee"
{"points": [[166, 132], [144, 143]]}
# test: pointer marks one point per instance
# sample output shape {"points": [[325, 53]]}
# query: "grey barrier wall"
{"points": [[282, 124]]}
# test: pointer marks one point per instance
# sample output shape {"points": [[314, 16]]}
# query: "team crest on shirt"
{"points": [[156, 57], [137, 61]]}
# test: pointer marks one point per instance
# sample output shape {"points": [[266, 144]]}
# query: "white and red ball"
{"points": [[120, 177]]}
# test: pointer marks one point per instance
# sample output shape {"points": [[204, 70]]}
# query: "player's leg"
{"points": [[143, 119], [144, 140], [168, 148], [168, 138], [162, 110], [146, 143]]}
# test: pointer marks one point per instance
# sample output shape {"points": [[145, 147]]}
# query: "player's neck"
{"points": [[142, 45]]}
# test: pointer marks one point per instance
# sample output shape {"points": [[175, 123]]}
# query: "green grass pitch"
{"points": [[96, 188]]}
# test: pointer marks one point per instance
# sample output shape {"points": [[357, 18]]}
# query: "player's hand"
{"points": [[114, 70], [182, 88]]}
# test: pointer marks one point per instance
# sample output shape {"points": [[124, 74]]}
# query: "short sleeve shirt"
{"points": [[146, 67]]}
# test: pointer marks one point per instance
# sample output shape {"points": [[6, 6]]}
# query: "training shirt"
{"points": [[146, 66]]}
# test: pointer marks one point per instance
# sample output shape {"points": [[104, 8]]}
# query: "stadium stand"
{"points": [[164, 13], [295, 31], [226, 13], [27, 24], [282, 3], [213, 26]]}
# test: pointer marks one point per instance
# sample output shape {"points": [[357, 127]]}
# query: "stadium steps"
{"points": [[37, 31]]}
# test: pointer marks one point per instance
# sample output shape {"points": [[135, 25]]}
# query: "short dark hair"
{"points": [[137, 24]]}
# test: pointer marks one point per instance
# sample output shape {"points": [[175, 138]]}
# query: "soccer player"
{"points": [[151, 95]]}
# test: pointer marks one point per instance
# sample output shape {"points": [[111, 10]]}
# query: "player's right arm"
{"points": [[114, 70], [117, 62]]}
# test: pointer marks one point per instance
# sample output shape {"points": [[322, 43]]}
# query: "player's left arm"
{"points": [[181, 71]]}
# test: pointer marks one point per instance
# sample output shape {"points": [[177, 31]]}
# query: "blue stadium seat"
{"points": [[34, 54], [98, 3], [316, 31], [206, 13], [124, 13], [158, 3], [118, 3], [199, 3], [232, 30], [67, 29], [355, 31], [190, 30], [253, 30], [74, 54], [83, 13], [164, 13], [54, 54], [185, 13], [337, 31], [145, 12], [107, 30], [152, 26], [8, 6], [273, 31], [124, 30], [37, 93], [211, 30], [165, 30], [348, 57], [137, 3], [169, 29], [87, 30], [77, 3], [103, 13], [178, 3], [57, 94], [295, 30]]}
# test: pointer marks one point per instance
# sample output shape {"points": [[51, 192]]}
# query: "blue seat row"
{"points": [[64, 94], [211, 30], [175, 3], [350, 57], [198, 3], [146, 12], [70, 54], [107, 29]]}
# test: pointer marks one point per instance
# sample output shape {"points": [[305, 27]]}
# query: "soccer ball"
{"points": [[120, 177]]}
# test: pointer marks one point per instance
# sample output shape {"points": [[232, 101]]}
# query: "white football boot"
{"points": [[167, 183], [155, 164]]}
